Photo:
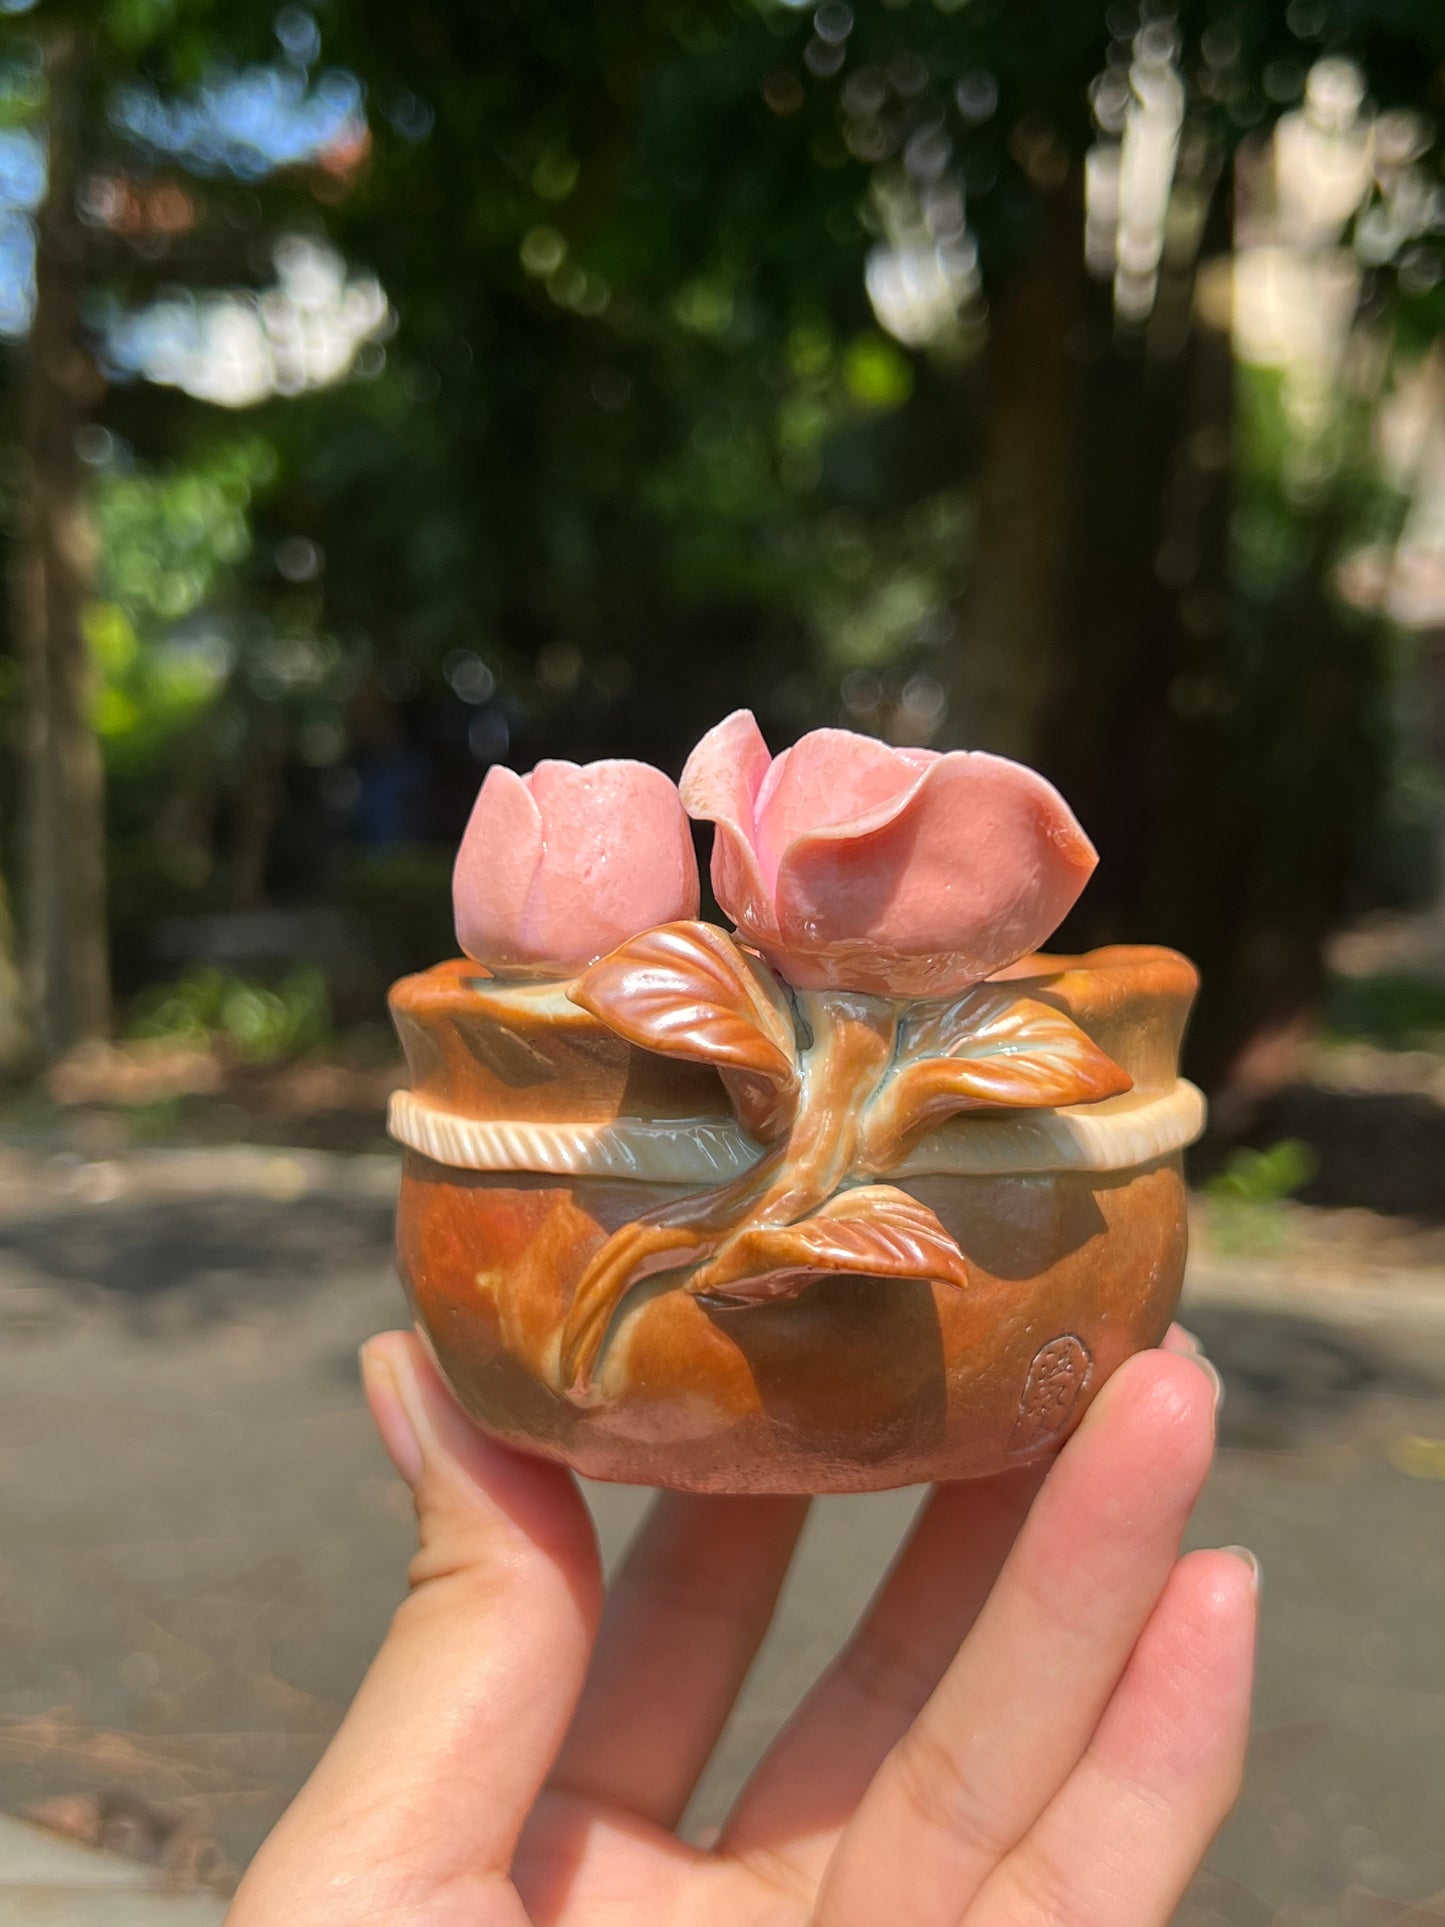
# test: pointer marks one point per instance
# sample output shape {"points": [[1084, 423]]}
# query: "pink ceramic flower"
{"points": [[559, 867], [897, 871]]}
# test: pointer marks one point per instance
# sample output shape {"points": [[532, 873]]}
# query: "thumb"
{"points": [[433, 1771]]}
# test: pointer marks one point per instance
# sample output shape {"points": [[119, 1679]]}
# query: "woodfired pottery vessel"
{"points": [[857, 1196]]}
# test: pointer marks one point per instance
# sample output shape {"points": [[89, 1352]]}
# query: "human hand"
{"points": [[1041, 1718]]}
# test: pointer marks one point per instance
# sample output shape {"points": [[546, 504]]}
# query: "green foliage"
{"points": [[1264, 1177], [134, 24], [1247, 1202], [22, 87], [401, 901], [639, 445], [877, 372], [259, 1023], [172, 539], [1392, 1012], [170, 535], [154, 1121]]}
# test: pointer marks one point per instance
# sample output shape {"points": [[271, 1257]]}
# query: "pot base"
{"points": [[859, 1384]]}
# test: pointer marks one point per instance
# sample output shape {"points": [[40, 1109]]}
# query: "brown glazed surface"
{"points": [[857, 1383]]}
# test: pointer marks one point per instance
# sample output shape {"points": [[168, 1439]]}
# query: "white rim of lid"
{"points": [[1114, 1136]]}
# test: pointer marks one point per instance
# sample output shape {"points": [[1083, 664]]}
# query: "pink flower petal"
{"points": [[829, 780], [979, 866], [495, 865], [720, 784], [617, 859]]}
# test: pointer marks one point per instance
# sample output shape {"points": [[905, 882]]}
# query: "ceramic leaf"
{"points": [[989, 1049], [637, 1251], [688, 990], [873, 1230]]}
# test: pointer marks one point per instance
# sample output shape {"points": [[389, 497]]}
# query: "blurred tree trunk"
{"points": [[1137, 732], [14, 1024], [62, 798], [258, 807], [1014, 617], [1222, 743]]}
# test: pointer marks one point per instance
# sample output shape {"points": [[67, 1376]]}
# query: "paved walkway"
{"points": [[202, 1543]]}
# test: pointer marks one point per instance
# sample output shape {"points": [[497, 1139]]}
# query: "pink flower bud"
{"points": [[559, 867]]}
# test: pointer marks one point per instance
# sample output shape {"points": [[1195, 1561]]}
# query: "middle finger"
{"points": [[683, 1622]]}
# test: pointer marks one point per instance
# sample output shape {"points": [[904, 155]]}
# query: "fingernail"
{"points": [[440, 1432], [389, 1411], [1191, 1339], [1211, 1372], [1250, 1559]]}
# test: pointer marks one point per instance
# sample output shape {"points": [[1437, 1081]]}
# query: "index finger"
{"points": [[429, 1779]]}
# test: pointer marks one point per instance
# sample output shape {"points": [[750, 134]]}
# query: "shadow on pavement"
{"points": [[212, 1252], [1292, 1380]]}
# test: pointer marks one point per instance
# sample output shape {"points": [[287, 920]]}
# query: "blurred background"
{"points": [[393, 389]]}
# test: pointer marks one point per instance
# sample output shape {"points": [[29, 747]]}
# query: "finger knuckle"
{"points": [[883, 1671], [1049, 1895], [944, 1795]]}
